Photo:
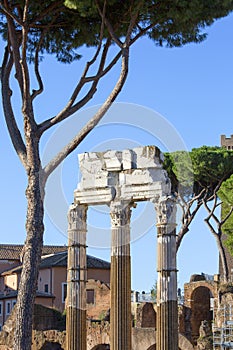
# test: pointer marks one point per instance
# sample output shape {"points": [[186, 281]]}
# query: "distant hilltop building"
{"points": [[227, 142]]}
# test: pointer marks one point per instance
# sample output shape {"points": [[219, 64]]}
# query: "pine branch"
{"points": [[188, 215], [71, 108], [15, 38], [108, 24], [54, 163], [37, 92], [12, 126], [9, 13]]}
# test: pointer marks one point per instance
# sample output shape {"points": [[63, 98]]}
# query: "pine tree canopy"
{"points": [[59, 28]]}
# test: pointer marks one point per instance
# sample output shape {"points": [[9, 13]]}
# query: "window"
{"points": [[0, 327], [13, 303], [46, 288], [1, 308], [90, 296], [64, 292], [8, 308]]}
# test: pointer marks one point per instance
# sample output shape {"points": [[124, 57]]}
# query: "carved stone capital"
{"points": [[120, 213], [166, 210], [77, 216]]}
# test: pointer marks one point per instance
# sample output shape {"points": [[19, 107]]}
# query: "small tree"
{"points": [[153, 291], [32, 29]]}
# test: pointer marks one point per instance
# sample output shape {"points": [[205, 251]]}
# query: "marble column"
{"points": [[76, 338], [167, 310], [120, 316]]}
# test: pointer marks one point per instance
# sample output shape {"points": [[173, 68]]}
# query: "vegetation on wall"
{"points": [[225, 193]]}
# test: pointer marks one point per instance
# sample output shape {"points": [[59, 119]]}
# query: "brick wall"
{"points": [[197, 306], [145, 316], [99, 308]]}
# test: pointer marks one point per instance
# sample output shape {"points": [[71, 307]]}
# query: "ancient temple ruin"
{"points": [[120, 179]]}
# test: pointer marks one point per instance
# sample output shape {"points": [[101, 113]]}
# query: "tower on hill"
{"points": [[227, 142]]}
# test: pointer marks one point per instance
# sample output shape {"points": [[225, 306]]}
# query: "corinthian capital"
{"points": [[120, 213], [166, 210], [77, 216]]}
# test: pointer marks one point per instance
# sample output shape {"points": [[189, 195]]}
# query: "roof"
{"points": [[13, 294], [13, 251], [60, 260], [8, 295]]}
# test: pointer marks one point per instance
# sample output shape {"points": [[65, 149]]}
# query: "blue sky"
{"points": [[192, 90]]}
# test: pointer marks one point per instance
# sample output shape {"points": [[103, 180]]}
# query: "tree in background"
{"points": [[153, 291], [198, 180], [34, 29], [225, 225], [221, 163]]}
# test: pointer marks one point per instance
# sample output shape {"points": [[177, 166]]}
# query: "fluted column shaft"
{"points": [[120, 316], [76, 338], [167, 311]]}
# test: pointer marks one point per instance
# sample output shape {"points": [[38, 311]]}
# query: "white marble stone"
{"points": [[98, 196], [135, 174]]}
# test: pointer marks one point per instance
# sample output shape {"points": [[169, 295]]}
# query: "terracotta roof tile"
{"points": [[60, 259], [12, 251]]}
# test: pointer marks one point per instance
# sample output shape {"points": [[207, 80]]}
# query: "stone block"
{"points": [[148, 157], [112, 160], [97, 196], [128, 160]]}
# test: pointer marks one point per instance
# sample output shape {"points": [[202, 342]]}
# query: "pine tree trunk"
{"points": [[31, 258], [223, 259]]}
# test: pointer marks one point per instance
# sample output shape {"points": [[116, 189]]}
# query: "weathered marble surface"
{"points": [[131, 175]]}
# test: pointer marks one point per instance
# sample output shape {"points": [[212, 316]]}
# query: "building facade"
{"points": [[52, 285]]}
